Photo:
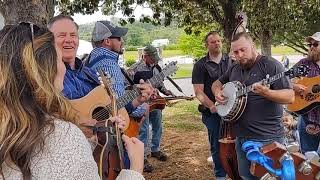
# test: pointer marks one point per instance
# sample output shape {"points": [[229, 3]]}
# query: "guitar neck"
{"points": [[133, 94], [267, 81]]}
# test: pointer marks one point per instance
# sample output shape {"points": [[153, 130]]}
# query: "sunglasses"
{"points": [[33, 28], [313, 44]]}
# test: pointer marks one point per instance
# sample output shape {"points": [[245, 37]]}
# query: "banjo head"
{"points": [[229, 91]]}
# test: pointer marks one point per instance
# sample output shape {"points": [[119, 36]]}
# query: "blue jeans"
{"points": [[212, 122], [155, 119], [243, 163], [308, 142]]}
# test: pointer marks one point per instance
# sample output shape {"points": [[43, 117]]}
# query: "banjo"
{"points": [[236, 93]]}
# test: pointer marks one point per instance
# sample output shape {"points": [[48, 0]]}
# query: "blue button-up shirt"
{"points": [[107, 60], [79, 82]]}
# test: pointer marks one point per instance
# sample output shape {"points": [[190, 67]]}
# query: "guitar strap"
{"points": [[127, 76]]}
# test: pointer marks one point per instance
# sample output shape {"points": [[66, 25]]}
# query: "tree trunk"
{"points": [[230, 22], [266, 42], [36, 11]]}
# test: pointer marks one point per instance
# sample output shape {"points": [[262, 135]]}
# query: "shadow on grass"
{"points": [[183, 116]]}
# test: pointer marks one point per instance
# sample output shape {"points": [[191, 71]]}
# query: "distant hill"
{"points": [[139, 34]]}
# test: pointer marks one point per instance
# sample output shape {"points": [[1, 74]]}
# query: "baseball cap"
{"points": [[315, 36], [106, 29], [152, 52]]}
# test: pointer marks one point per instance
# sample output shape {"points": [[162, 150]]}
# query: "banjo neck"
{"points": [[266, 81]]}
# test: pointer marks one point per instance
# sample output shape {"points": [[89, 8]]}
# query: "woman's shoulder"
{"points": [[66, 153]]}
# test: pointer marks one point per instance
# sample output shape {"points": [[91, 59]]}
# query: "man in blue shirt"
{"points": [[80, 80], [108, 45]]}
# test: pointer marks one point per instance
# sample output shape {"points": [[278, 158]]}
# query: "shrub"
{"points": [[130, 62], [171, 47]]}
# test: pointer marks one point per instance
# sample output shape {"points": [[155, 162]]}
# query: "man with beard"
{"points": [[205, 72], [107, 40], [146, 69], [309, 124], [261, 119]]}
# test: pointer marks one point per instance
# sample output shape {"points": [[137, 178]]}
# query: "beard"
{"points": [[314, 56], [247, 65]]}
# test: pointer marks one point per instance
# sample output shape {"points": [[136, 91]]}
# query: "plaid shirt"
{"points": [[107, 60], [79, 82], [314, 115]]}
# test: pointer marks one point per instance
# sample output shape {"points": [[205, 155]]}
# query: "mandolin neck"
{"points": [[135, 92]]}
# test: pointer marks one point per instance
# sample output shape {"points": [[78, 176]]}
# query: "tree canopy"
{"points": [[270, 21]]}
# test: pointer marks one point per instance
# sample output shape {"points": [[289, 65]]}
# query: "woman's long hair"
{"points": [[28, 98]]}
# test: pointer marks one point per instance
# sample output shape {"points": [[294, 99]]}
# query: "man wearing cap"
{"points": [[148, 66], [309, 124], [108, 45]]}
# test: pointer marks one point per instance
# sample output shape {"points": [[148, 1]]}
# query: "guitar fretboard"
{"points": [[266, 81], [132, 94]]}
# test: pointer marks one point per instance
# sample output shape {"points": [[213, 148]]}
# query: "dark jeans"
{"points": [[308, 142], [212, 122], [243, 163]]}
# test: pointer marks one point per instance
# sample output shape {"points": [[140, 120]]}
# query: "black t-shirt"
{"points": [[261, 117], [206, 72]]}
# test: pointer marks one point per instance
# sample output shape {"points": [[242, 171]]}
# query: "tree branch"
{"points": [[212, 9], [295, 46], [296, 49]]}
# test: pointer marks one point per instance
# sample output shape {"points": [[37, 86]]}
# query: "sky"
{"points": [[83, 19]]}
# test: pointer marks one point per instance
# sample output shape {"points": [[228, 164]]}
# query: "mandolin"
{"points": [[110, 156], [161, 102], [309, 99]]}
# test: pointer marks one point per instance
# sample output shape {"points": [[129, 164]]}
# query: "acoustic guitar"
{"points": [[97, 103], [236, 93], [309, 99]]}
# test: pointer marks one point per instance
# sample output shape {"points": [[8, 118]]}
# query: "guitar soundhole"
{"points": [[316, 89], [100, 114]]}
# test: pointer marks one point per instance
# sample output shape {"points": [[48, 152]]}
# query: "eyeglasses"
{"points": [[33, 28], [313, 44]]}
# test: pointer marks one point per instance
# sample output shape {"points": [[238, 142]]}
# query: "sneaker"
{"points": [[147, 166], [209, 160], [159, 155]]}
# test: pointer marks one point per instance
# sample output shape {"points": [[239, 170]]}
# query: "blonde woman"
{"points": [[38, 138]]}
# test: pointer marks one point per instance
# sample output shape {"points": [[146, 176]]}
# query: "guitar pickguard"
{"points": [[311, 97]]}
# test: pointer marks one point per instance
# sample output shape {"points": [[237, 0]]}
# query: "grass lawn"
{"points": [[283, 50], [184, 70], [183, 116]]}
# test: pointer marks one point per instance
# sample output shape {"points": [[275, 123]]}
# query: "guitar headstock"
{"points": [[298, 71], [170, 68], [108, 86]]}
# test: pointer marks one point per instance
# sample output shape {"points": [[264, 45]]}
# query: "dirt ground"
{"points": [[188, 153]]}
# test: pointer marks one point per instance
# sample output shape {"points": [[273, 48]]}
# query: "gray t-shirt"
{"points": [[261, 117]]}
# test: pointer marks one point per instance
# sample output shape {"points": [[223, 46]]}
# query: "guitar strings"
{"points": [[105, 111]]}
